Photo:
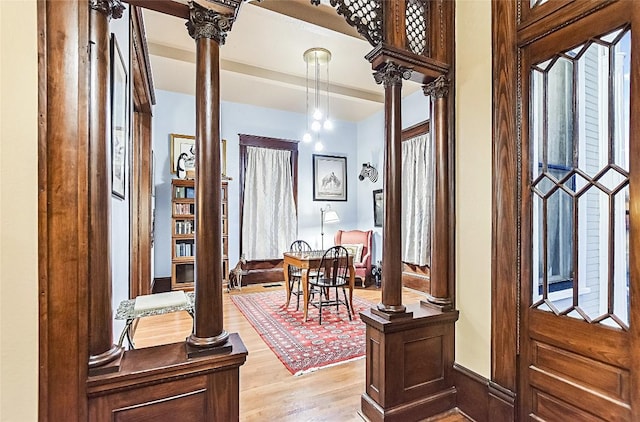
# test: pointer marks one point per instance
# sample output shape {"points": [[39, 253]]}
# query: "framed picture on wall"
{"points": [[378, 207], [329, 178], [119, 120], [183, 154]]}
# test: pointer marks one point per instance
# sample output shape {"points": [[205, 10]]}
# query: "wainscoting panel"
{"points": [[161, 383]]}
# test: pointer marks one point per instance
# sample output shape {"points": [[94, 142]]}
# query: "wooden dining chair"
{"points": [[332, 273], [295, 273]]}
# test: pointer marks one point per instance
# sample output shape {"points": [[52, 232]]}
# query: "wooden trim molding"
{"points": [[473, 393], [63, 214], [505, 223], [481, 399], [415, 130]]}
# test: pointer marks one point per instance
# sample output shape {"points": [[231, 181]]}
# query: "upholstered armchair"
{"points": [[358, 243]]}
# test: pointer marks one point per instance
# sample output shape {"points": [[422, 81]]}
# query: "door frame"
{"points": [[514, 29]]}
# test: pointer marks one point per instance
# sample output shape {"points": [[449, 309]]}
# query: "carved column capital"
{"points": [[438, 88], [391, 74], [111, 8], [207, 23]]}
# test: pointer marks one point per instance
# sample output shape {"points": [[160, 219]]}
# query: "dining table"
{"points": [[308, 261]]}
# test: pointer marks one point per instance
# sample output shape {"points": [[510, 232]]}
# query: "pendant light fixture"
{"points": [[318, 121]]}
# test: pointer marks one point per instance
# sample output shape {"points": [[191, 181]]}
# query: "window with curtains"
{"points": [[268, 222], [417, 183]]}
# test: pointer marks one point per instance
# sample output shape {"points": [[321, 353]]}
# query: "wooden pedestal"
{"points": [[161, 383], [409, 369]]}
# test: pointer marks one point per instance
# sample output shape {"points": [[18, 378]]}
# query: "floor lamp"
{"points": [[327, 215]]}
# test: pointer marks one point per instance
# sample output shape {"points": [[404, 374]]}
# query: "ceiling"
{"points": [[261, 62]]}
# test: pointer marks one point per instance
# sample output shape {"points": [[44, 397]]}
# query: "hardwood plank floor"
{"points": [[267, 390]]}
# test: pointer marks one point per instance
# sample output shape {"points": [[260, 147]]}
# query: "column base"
{"points": [[198, 346], [409, 369], [390, 315], [443, 304], [107, 362]]}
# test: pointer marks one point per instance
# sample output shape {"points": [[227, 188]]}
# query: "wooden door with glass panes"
{"points": [[578, 186]]}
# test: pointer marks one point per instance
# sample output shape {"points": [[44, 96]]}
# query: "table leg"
{"points": [[352, 284], [305, 291], [126, 331], [285, 268]]}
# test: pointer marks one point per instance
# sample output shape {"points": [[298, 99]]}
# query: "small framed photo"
{"points": [[183, 155], [378, 207], [329, 178], [119, 120]]}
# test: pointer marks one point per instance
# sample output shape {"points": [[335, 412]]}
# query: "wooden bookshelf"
{"points": [[183, 234]]}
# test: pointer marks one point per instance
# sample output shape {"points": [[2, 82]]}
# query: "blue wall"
{"points": [[360, 143], [175, 113], [415, 109]]}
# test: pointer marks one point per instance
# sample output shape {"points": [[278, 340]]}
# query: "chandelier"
{"points": [[317, 60]]}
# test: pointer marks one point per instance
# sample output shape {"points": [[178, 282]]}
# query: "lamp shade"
{"points": [[330, 216]]}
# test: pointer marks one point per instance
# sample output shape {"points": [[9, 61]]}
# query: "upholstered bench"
{"points": [[150, 305]]}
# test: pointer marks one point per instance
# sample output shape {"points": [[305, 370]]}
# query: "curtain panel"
{"points": [[417, 186], [269, 215]]}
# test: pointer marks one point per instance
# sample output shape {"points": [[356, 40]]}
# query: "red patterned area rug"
{"points": [[305, 347]]}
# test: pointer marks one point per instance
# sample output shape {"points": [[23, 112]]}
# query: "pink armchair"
{"points": [[358, 237]]}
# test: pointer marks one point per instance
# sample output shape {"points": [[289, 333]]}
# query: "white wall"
{"points": [[175, 113], [18, 211], [473, 185]]}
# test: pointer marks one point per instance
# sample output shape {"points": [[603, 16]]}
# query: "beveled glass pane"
{"points": [[559, 228], [610, 37], [579, 161], [537, 121], [575, 51], [593, 251], [559, 111], [621, 255], [544, 186], [593, 109], [612, 179], [537, 269], [621, 87], [535, 3]]}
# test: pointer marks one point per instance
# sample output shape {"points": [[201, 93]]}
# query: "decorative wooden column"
{"points": [[165, 382], [208, 27], [104, 356], [391, 75], [441, 291], [410, 350]]}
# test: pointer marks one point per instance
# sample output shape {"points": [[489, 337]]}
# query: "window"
{"points": [[579, 164]]}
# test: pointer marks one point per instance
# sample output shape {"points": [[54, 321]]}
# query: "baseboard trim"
{"points": [[502, 403], [432, 405], [482, 399], [161, 285]]}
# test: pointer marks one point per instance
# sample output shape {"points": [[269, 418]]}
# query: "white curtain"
{"points": [[269, 215], [417, 184]]}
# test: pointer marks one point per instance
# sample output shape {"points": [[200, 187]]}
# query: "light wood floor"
{"points": [[268, 392]]}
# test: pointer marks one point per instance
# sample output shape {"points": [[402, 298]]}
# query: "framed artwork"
{"points": [[119, 120], [378, 207], [329, 178], [183, 154]]}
